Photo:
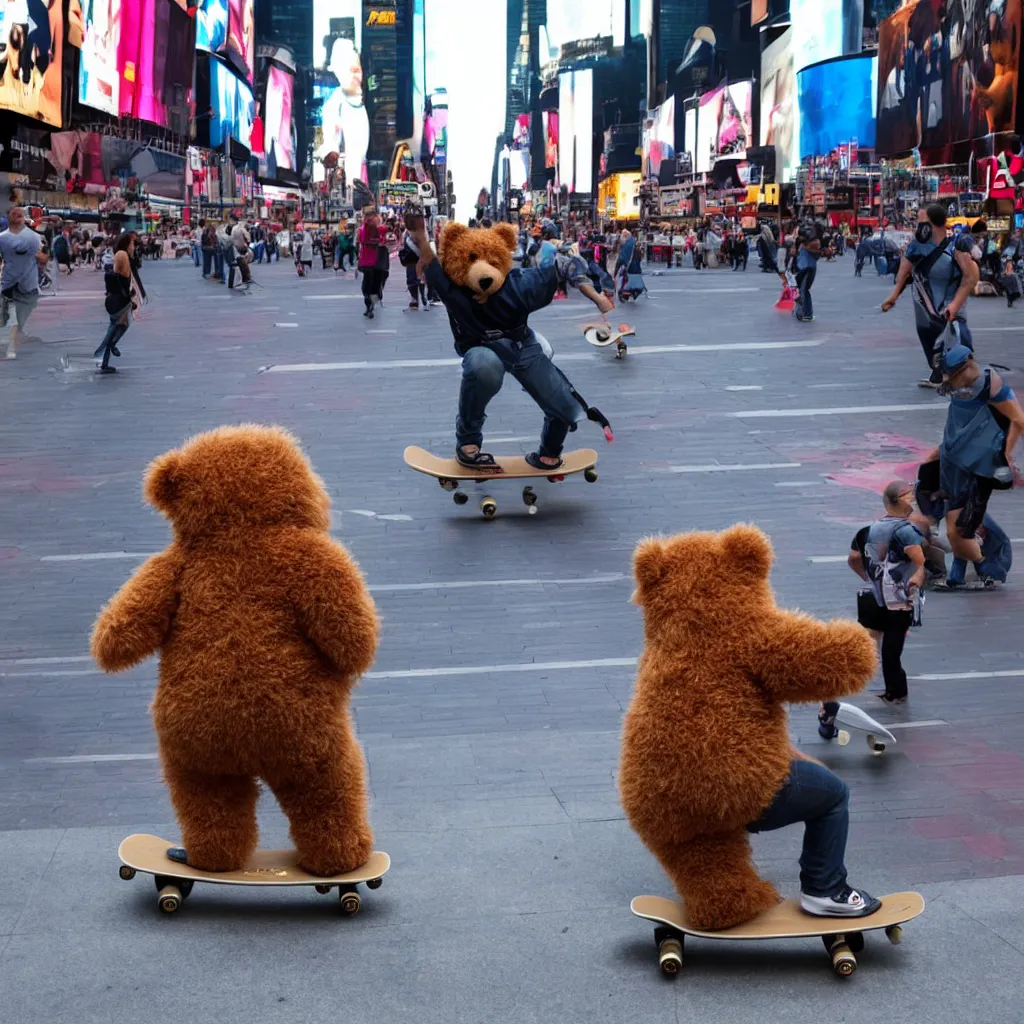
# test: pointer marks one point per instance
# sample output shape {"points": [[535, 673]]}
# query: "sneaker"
{"points": [[891, 701], [847, 902], [414, 305], [11, 354], [988, 582]]}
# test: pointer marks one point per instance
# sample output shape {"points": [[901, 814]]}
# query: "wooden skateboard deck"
{"points": [[450, 473], [843, 936], [174, 881]]}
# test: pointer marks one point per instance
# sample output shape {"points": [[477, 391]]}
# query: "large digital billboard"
{"points": [[566, 126], [550, 118], [780, 113], [212, 25], [242, 35], [576, 130], [345, 132], [947, 73], [232, 103], [279, 139], [724, 124], [31, 59], [837, 104], [690, 134], [99, 76], [658, 140], [817, 30]]}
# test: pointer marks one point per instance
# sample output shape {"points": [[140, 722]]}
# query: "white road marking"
{"points": [[976, 330], [91, 758], [714, 467], [475, 670], [613, 577], [928, 723], [70, 659], [98, 556], [744, 387], [817, 559], [798, 483], [383, 330], [846, 385], [316, 298], [393, 517], [569, 357], [1002, 674], [832, 411], [287, 323]]}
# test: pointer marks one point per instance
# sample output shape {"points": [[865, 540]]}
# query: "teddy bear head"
{"points": [[703, 582], [477, 258], [234, 479]]}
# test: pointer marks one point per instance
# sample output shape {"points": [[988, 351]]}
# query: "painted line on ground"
{"points": [[832, 411], [997, 674], [573, 357], [799, 483], [977, 330], [98, 556], [91, 758], [929, 723], [286, 323], [744, 387], [714, 467], [383, 330], [321, 298]]}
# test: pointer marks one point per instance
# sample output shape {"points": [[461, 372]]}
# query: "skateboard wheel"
{"points": [[529, 496], [126, 872], [842, 737], [488, 507], [557, 479], [169, 899], [874, 744], [532, 510], [844, 963], [374, 883], [894, 933], [590, 475], [350, 903], [460, 497], [670, 956], [322, 889]]}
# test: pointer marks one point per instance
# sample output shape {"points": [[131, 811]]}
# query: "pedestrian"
{"points": [[889, 555], [303, 252], [129, 241], [944, 275], [243, 254], [61, 249], [207, 247], [409, 258], [808, 249], [740, 250], [118, 304], [23, 258], [373, 262], [984, 422]]}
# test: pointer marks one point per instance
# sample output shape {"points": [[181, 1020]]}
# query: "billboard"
{"points": [[32, 37], [724, 124], [817, 27], [518, 169], [550, 118], [345, 132], [837, 104], [780, 113], [279, 139], [232, 103], [576, 130], [99, 77], [946, 76], [211, 25], [658, 140], [241, 47], [690, 134]]}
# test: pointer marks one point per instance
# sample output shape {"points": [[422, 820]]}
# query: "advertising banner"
{"points": [[780, 112], [32, 40], [837, 104], [99, 77], [658, 139]]}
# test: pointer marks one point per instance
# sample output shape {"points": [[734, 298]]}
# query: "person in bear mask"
{"points": [[944, 275]]}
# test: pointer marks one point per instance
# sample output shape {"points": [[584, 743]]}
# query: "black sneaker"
{"points": [[886, 699], [848, 902]]}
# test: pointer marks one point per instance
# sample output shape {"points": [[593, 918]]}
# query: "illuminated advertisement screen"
{"points": [[817, 30], [690, 131], [970, 94], [550, 138], [659, 140], [518, 169], [780, 112], [837, 104], [32, 35], [99, 79], [419, 85], [566, 126], [212, 25], [232, 103], [724, 124], [583, 112], [279, 141], [242, 35], [155, 60]]}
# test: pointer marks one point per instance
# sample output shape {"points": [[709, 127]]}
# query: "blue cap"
{"points": [[954, 358]]}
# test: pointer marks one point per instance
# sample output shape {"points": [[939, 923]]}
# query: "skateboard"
{"points": [[174, 881], [878, 736], [601, 336], [843, 936], [450, 474]]}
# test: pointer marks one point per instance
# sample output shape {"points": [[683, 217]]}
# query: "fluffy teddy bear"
{"points": [[477, 258], [705, 745], [263, 624]]}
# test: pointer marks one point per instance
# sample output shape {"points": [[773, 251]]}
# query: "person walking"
{"points": [[228, 254], [889, 555], [23, 257], [118, 304], [303, 252], [808, 249], [374, 261], [208, 247]]}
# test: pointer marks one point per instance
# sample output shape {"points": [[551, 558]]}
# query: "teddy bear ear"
{"points": [[453, 231], [508, 235], [747, 548], [162, 485], [649, 562]]}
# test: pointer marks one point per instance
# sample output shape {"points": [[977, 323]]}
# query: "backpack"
{"points": [[209, 239], [978, 447], [885, 566]]}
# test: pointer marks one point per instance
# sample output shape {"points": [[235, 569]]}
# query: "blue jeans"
{"points": [[218, 264], [195, 253], [483, 370], [804, 279], [208, 258], [261, 248], [814, 795]]}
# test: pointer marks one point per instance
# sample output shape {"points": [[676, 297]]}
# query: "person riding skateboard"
{"points": [[488, 312]]}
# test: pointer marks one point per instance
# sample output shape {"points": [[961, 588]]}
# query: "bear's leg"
{"points": [[327, 809], [717, 880], [217, 815]]}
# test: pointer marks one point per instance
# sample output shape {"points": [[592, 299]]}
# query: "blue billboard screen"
{"points": [[837, 104]]}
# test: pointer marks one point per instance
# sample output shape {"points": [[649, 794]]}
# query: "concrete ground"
{"points": [[491, 717]]}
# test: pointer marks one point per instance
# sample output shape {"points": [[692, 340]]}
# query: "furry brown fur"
{"points": [[263, 624], [705, 745], [477, 258]]}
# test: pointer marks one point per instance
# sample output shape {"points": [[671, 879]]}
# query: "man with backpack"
{"points": [[888, 554], [944, 274]]}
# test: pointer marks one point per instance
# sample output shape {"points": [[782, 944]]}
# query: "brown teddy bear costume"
{"points": [[705, 746], [263, 624]]}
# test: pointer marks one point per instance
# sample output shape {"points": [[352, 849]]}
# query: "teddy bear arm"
{"points": [[138, 618], [335, 609], [800, 659]]}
